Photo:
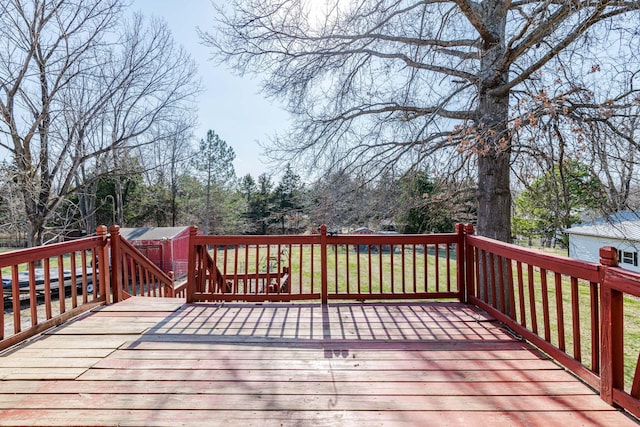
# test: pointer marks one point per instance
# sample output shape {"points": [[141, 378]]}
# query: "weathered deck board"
{"points": [[226, 352], [342, 364], [253, 399], [275, 387], [158, 362], [276, 417], [249, 374]]}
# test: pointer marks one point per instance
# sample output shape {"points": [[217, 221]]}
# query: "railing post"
{"points": [[191, 266], [116, 263], [323, 264], [612, 329], [460, 264], [103, 264], [170, 292], [469, 263]]}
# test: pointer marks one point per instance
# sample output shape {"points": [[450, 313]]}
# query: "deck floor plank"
{"points": [[249, 374], [229, 352], [278, 418], [280, 387], [254, 399], [155, 362]]}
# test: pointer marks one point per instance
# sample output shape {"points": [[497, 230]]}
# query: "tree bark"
{"points": [[493, 138], [494, 197], [35, 230], [493, 143]]}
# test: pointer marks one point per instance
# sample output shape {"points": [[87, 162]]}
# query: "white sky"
{"points": [[229, 105]]}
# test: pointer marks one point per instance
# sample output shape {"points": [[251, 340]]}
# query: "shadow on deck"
{"points": [[150, 361]]}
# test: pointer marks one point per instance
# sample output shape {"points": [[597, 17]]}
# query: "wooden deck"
{"points": [[150, 361]]}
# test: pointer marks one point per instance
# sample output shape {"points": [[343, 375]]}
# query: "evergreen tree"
{"points": [[215, 163], [288, 199]]}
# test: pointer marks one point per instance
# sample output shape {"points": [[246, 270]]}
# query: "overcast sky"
{"points": [[229, 105]]}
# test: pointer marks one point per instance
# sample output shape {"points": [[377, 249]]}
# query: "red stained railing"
{"points": [[133, 274], [180, 289], [253, 268], [572, 310], [35, 298], [45, 286], [550, 300], [323, 266], [392, 266], [617, 285]]}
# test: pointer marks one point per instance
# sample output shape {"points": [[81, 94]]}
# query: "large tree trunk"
{"points": [[493, 146], [494, 196], [35, 231], [494, 141]]}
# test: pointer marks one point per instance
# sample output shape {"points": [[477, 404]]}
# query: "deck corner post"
{"points": [[460, 263], [608, 256], [323, 263], [469, 262], [116, 263], [102, 260], [191, 267], [612, 329]]}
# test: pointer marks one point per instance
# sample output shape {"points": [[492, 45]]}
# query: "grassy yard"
{"points": [[414, 269], [631, 337]]}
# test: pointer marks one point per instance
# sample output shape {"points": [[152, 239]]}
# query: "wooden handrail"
{"points": [[130, 250], [327, 266], [180, 289], [520, 277], [551, 262], [132, 270], [607, 285], [35, 298], [23, 256]]}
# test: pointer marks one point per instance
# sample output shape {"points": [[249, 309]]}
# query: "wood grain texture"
{"points": [[149, 362]]}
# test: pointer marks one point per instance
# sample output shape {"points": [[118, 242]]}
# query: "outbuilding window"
{"points": [[627, 257]]}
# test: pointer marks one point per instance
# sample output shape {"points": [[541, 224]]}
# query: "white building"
{"points": [[620, 230]]}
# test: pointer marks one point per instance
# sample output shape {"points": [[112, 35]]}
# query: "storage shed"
{"points": [[363, 230], [620, 230], [166, 247]]}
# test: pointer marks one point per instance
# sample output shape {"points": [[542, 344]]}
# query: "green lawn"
{"points": [[411, 270], [631, 338]]}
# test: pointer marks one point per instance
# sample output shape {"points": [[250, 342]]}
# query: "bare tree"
{"points": [[614, 156], [178, 153], [567, 124], [166, 161], [75, 85], [393, 82], [11, 210], [341, 201]]}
